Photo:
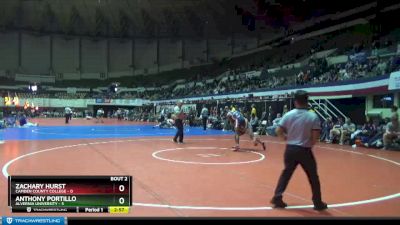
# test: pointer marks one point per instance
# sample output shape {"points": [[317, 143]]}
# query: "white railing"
{"points": [[325, 108]]}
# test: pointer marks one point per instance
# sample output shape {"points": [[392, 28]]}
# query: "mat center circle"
{"points": [[207, 156]]}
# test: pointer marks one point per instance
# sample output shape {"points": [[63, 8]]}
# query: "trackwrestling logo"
{"points": [[33, 220]]}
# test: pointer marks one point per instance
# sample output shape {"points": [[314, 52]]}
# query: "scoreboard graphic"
{"points": [[70, 194]]}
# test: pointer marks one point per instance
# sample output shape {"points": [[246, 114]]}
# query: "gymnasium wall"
{"points": [[71, 58], [352, 107], [219, 48], [65, 55], [94, 57], [385, 112], [9, 51], [120, 55], [197, 52], [145, 55], [170, 54], [35, 54], [243, 43]]}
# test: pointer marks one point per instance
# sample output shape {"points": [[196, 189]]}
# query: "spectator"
{"points": [[224, 118], [253, 110], [285, 109], [335, 132], [394, 111], [269, 118], [254, 122], [119, 114], [363, 135], [381, 67], [327, 125], [300, 78], [271, 129], [263, 116], [376, 141], [347, 129], [392, 134]]}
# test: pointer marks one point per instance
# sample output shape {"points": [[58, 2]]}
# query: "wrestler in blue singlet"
{"points": [[240, 121]]}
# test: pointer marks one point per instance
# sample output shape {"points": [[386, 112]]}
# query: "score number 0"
{"points": [[121, 200]]}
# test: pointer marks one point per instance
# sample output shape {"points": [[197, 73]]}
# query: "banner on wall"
{"points": [[251, 74], [118, 102], [170, 108], [35, 78], [71, 90], [103, 100], [394, 81], [359, 57]]}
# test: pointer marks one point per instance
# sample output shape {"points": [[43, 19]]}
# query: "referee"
{"points": [[179, 116], [68, 114], [204, 117], [300, 129]]}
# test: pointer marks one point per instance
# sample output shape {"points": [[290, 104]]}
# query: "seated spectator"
{"points": [[271, 129], [368, 130], [335, 132], [381, 67], [347, 129], [376, 141], [216, 123], [392, 135]]}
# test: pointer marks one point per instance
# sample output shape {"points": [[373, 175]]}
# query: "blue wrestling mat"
{"points": [[85, 132]]}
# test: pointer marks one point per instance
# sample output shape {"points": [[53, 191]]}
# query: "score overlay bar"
{"points": [[87, 194]]}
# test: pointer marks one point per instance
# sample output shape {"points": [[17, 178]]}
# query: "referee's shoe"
{"points": [[279, 203], [320, 206]]}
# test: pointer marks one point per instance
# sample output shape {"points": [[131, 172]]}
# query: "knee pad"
{"points": [[256, 137]]}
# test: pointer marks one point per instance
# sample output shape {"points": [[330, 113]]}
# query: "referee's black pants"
{"points": [[179, 132], [205, 118], [68, 117], [295, 155]]}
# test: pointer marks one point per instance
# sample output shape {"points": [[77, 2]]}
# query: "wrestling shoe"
{"points": [[235, 148], [263, 146]]}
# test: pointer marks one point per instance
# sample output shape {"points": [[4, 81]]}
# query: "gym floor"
{"points": [[201, 177]]}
